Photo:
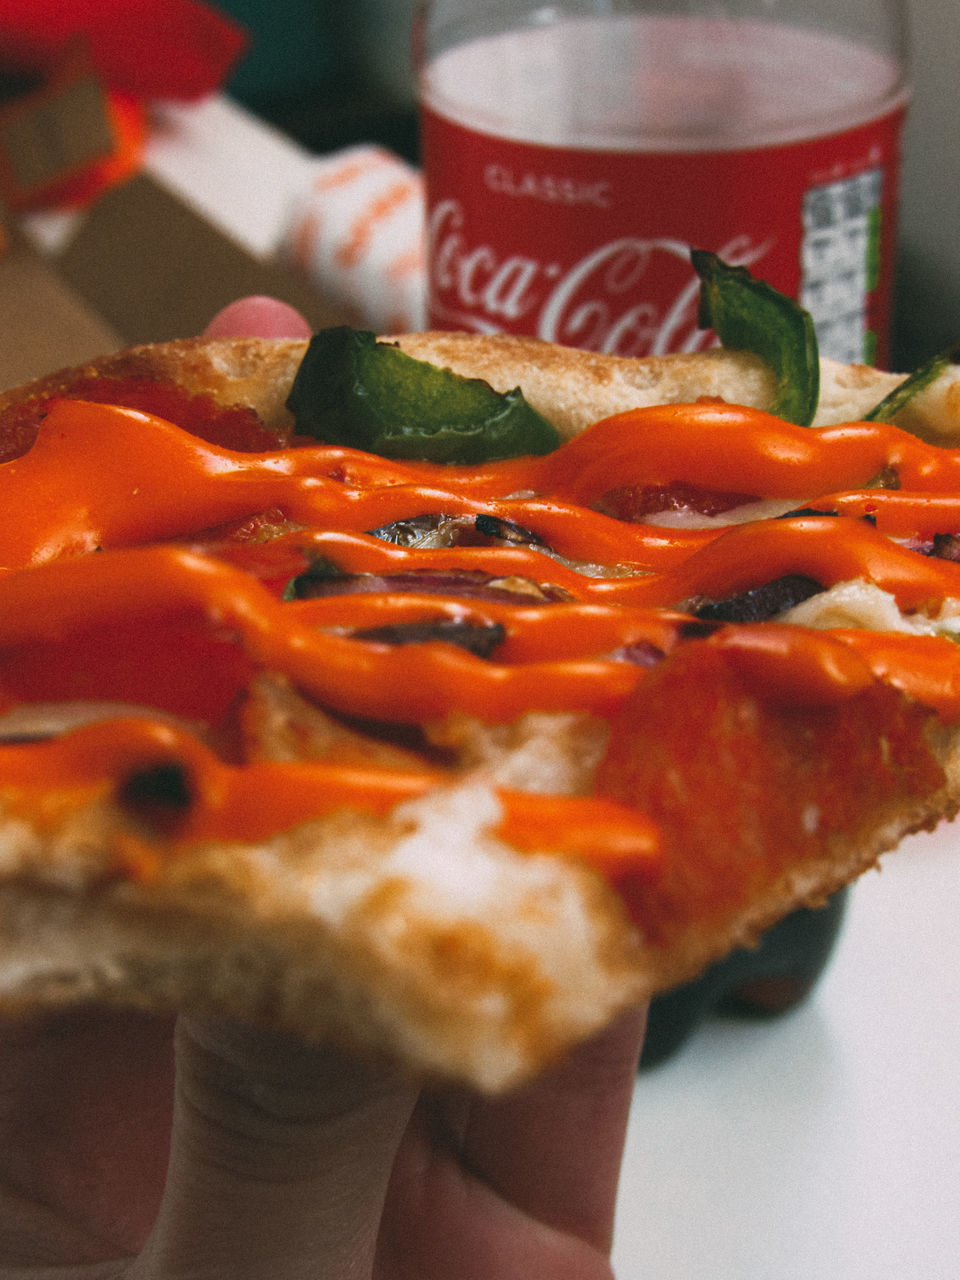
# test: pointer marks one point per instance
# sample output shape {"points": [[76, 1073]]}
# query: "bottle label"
{"points": [[591, 248]]}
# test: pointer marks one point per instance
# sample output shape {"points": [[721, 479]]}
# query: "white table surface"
{"points": [[824, 1145]]}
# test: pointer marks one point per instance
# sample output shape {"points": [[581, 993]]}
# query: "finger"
{"points": [[258, 318], [554, 1148], [84, 1131], [279, 1162]]}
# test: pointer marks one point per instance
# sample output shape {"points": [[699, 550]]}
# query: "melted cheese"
{"points": [[866, 606]]}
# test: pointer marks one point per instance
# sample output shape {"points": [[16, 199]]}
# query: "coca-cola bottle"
{"points": [[574, 151]]}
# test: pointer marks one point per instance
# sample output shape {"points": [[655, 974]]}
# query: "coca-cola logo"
{"points": [[628, 296]]}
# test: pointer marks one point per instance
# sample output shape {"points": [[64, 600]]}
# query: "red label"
{"points": [[591, 248]]}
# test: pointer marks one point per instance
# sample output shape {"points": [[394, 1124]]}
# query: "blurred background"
{"points": [[333, 72], [928, 282], [330, 72]]}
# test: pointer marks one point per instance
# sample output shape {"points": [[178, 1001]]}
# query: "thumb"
{"points": [[280, 1158], [258, 317]]}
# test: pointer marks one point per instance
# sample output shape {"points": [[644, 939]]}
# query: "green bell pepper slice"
{"points": [[919, 380], [353, 390], [749, 315]]}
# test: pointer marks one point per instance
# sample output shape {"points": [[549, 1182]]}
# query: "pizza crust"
{"points": [[255, 372], [421, 938], [573, 389]]}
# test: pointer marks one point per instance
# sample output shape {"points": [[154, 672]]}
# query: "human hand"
{"points": [[288, 1161]]}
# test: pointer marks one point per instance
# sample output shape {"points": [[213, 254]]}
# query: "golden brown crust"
{"points": [[331, 931], [574, 389], [356, 928], [571, 388], [253, 372]]}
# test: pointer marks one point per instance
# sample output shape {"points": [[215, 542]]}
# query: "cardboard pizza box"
{"points": [[45, 324], [142, 267], [154, 268], [156, 256]]}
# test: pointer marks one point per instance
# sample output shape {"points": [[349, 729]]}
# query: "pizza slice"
{"points": [[451, 761]]}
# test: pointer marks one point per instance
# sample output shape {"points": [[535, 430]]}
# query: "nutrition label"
{"points": [[839, 259]]}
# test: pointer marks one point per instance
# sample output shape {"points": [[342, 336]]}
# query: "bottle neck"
{"points": [[661, 82], [882, 25]]}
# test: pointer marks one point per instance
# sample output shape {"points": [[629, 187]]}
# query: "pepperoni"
{"points": [[746, 788]]}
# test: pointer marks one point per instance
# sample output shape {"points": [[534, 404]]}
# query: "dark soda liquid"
{"points": [[757, 982]]}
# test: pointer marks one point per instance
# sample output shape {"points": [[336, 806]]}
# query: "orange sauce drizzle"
{"points": [[733, 560], [731, 448], [254, 801], [136, 489]]}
